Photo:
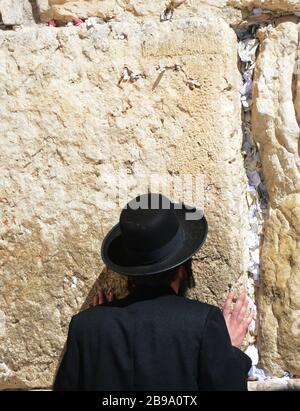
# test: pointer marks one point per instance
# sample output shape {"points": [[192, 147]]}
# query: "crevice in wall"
{"points": [[295, 87], [256, 195], [35, 11]]}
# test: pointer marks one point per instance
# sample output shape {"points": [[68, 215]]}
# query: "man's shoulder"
{"points": [[92, 314], [109, 311], [189, 309], [196, 305]]}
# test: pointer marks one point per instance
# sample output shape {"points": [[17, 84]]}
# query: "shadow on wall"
{"points": [[35, 11], [107, 281]]}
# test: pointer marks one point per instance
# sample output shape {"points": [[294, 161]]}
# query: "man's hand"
{"points": [[101, 298], [237, 319]]}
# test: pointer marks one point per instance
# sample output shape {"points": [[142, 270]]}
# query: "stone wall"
{"points": [[82, 104], [276, 121]]}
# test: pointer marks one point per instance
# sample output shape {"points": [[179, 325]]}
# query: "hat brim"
{"points": [[194, 235]]}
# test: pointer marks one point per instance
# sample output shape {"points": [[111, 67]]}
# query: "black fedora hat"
{"points": [[153, 235]]}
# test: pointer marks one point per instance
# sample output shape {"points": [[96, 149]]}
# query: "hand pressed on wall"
{"points": [[100, 298], [237, 318]]}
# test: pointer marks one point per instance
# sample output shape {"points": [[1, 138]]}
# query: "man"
{"points": [[155, 338]]}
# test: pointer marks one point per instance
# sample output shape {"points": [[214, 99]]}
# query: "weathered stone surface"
{"points": [[18, 12], [65, 123], [276, 128], [11, 11], [274, 5], [275, 384], [66, 10]]}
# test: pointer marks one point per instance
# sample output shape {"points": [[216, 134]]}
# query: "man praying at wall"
{"points": [[155, 338]]}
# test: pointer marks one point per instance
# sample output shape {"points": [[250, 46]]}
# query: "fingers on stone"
{"points": [[228, 303], [243, 309], [239, 304], [101, 297]]}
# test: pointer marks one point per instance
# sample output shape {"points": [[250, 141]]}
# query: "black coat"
{"points": [[151, 340]]}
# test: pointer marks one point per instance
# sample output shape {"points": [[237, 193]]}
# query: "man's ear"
{"points": [[181, 272]]}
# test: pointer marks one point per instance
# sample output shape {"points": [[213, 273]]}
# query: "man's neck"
{"points": [[175, 285]]}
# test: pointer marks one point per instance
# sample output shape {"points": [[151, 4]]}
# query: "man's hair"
{"points": [[164, 278]]}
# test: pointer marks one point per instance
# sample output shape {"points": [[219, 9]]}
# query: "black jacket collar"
{"points": [[141, 293], [153, 291]]}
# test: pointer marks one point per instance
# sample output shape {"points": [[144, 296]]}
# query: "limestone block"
{"points": [[69, 124], [276, 113], [68, 10], [279, 299], [11, 11], [275, 384], [273, 5], [276, 129]]}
